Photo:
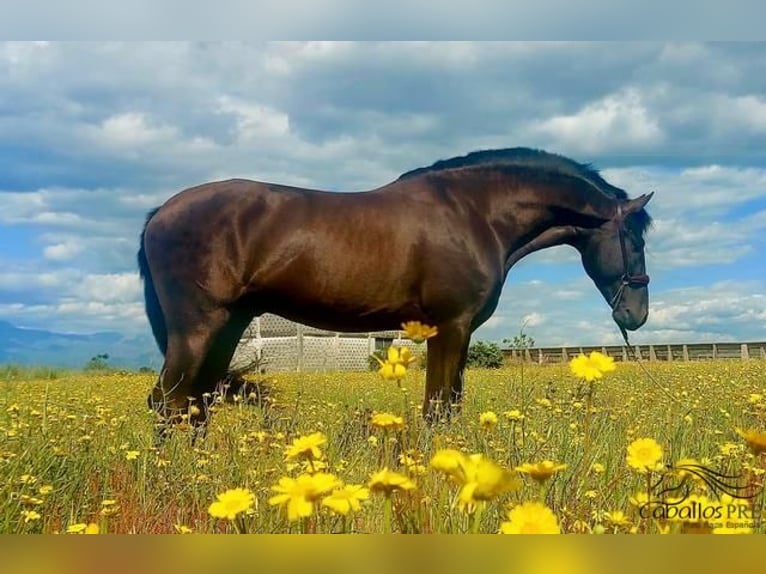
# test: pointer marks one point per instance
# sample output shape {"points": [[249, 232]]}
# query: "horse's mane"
{"points": [[522, 157]]}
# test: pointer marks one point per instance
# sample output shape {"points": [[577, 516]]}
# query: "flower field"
{"points": [[583, 448]]}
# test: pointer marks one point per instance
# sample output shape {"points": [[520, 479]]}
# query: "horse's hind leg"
{"points": [[216, 364], [190, 338], [447, 354]]}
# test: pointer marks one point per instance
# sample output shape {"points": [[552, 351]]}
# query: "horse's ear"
{"points": [[634, 205]]}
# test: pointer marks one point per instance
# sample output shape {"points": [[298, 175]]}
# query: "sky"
{"points": [[93, 135]]}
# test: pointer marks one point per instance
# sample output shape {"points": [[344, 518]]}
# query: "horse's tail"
{"points": [[153, 309]]}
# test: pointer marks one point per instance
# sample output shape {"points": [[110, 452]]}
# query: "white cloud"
{"points": [[62, 251], [87, 302], [133, 128], [533, 319], [677, 243], [19, 56], [709, 188], [693, 207], [32, 280], [254, 121], [725, 304], [78, 316], [742, 112], [619, 121], [111, 288], [723, 311], [494, 322], [112, 130]]}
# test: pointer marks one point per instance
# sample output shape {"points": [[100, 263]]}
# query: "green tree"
{"points": [[98, 363], [520, 342]]}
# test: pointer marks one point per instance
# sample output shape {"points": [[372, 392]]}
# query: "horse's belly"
{"points": [[348, 318]]}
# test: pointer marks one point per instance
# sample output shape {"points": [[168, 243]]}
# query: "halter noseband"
{"points": [[627, 280]]}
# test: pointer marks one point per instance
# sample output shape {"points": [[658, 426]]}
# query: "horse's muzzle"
{"points": [[628, 319]]}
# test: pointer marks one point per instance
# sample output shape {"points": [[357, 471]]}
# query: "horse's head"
{"points": [[613, 256]]}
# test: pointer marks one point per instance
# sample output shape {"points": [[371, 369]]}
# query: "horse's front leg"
{"points": [[447, 354]]}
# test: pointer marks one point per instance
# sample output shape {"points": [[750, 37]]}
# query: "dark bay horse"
{"points": [[433, 246]]}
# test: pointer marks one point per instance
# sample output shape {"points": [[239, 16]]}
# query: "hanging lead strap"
{"points": [[640, 363]]}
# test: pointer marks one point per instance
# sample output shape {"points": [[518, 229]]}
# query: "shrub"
{"points": [[485, 355]]}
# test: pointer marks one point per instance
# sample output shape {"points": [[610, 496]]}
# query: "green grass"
{"points": [[72, 431], [13, 372]]}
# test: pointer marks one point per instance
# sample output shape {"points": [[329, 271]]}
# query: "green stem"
{"points": [[239, 524], [387, 514], [648, 498], [588, 403], [476, 520], [405, 415]]}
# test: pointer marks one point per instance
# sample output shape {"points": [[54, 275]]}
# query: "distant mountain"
{"points": [[40, 347]]}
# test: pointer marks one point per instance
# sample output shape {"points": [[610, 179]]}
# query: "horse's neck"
{"points": [[535, 216]]}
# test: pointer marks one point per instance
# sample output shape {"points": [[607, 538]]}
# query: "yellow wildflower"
{"points": [[30, 516], [640, 499], [755, 398], [300, 494], [231, 503], [449, 461], [530, 518], [617, 518], [480, 477], [644, 455], [418, 332], [591, 367], [755, 439], [730, 448], [307, 446], [82, 528], [132, 454], [514, 415], [395, 366], [346, 499], [597, 467], [387, 481], [30, 500], [484, 480], [488, 420], [540, 471], [387, 421], [309, 466]]}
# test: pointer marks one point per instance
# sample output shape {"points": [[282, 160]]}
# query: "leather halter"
{"points": [[627, 280]]}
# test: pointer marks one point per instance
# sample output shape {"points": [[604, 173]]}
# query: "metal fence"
{"points": [[276, 344], [673, 352]]}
